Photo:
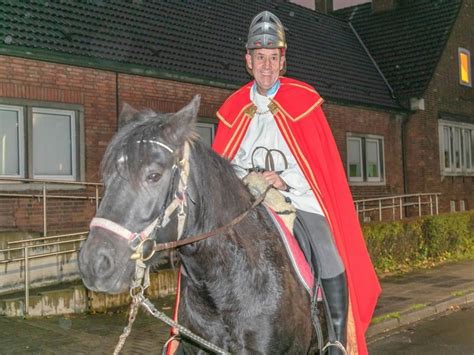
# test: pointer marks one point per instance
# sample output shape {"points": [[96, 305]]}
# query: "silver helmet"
{"points": [[266, 31]]}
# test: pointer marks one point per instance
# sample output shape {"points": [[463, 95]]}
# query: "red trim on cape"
{"points": [[298, 114]]}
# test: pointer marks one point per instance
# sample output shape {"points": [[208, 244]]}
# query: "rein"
{"points": [[199, 237]]}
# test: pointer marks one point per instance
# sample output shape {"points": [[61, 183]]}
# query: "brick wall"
{"points": [[92, 89], [97, 92], [168, 96], [444, 94], [345, 119]]}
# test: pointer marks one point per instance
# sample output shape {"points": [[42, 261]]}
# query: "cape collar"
{"points": [[294, 99]]}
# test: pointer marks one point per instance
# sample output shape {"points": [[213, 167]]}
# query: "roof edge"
{"points": [[392, 93], [115, 67], [358, 104], [108, 65], [440, 54]]}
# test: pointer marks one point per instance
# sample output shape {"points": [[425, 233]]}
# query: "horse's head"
{"points": [[141, 172]]}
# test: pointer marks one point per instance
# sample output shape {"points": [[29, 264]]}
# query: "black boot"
{"points": [[335, 291]]}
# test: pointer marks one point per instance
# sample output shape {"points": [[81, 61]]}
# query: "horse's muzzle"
{"points": [[103, 268]]}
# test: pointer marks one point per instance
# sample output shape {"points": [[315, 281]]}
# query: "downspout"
{"points": [[405, 119], [117, 96]]}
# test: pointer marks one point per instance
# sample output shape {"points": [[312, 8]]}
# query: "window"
{"points": [[465, 75], [456, 147], [206, 132], [54, 158], [354, 154], [452, 206], [11, 141], [462, 205], [39, 142], [365, 159]]}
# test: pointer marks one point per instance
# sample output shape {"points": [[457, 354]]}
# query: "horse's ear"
{"points": [[192, 108], [126, 115], [182, 125]]}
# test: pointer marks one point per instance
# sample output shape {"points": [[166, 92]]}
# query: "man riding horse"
{"points": [[285, 115]]}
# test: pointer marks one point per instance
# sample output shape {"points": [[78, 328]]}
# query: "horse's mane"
{"points": [[216, 183]]}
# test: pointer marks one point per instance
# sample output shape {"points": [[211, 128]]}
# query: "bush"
{"points": [[402, 245]]}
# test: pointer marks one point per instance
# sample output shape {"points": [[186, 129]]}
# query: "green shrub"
{"points": [[402, 245]]}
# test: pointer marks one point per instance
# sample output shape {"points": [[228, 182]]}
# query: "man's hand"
{"points": [[275, 180]]}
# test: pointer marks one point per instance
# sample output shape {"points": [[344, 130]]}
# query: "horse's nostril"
{"points": [[103, 265]]}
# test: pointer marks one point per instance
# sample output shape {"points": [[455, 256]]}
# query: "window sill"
{"points": [[367, 183], [457, 174], [38, 186]]}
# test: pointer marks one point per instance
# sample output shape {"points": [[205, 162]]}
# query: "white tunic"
{"points": [[263, 132]]}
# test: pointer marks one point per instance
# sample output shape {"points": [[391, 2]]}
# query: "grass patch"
{"points": [[417, 306], [459, 293], [379, 319]]}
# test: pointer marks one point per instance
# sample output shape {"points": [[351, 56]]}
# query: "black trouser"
{"points": [[314, 235], [317, 243]]}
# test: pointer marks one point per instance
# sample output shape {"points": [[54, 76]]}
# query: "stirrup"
{"points": [[337, 344]]}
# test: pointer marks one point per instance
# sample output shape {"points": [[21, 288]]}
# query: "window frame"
{"points": [[466, 52], [456, 142], [365, 180], [208, 124], [361, 161], [21, 140], [73, 124], [78, 137], [452, 206], [379, 168]]}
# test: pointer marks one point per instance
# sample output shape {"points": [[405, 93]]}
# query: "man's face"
{"points": [[265, 65]]}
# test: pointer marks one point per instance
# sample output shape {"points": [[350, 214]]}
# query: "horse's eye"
{"points": [[153, 177]]}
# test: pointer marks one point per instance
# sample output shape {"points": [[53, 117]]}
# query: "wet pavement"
{"points": [[450, 333], [405, 299], [84, 333], [409, 297]]}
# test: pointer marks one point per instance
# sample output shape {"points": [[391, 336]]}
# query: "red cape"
{"points": [[298, 114]]}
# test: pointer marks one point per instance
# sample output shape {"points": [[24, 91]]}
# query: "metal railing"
{"points": [[398, 205], [27, 244], [45, 195]]}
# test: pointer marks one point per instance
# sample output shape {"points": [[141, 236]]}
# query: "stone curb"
{"points": [[411, 316]]}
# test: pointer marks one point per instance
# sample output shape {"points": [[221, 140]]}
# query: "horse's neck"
{"points": [[219, 195], [216, 197]]}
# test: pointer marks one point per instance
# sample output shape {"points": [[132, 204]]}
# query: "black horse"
{"points": [[238, 288]]}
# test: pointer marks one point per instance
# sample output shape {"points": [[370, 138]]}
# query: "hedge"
{"points": [[403, 245]]}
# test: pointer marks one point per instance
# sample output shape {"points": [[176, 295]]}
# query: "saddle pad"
{"points": [[298, 260]]}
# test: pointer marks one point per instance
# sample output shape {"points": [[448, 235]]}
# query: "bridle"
{"points": [[136, 240]]}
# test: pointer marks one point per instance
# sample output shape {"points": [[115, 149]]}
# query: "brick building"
{"points": [[424, 50], [66, 68]]}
